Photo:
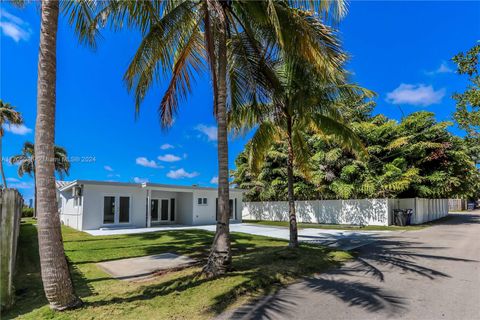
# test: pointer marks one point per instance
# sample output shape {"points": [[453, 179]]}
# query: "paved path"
{"points": [[432, 274], [335, 238]]}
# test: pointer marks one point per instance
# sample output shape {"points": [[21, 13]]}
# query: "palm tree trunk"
{"points": [[220, 259], [1, 164], [35, 195], [291, 196], [57, 283]]}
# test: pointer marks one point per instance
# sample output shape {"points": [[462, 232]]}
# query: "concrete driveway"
{"points": [[346, 240], [429, 274]]}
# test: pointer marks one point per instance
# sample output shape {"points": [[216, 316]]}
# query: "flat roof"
{"points": [[65, 185]]}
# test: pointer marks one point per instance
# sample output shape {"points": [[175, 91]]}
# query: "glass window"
{"points": [[172, 209], [154, 210], [108, 209], [199, 201], [204, 200], [164, 209], [124, 210]]}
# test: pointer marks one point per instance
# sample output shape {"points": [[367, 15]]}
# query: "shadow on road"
{"points": [[355, 283]]}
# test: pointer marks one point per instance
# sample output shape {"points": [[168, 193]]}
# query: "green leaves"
{"points": [[415, 158]]}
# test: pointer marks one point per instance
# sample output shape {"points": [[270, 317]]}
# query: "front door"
{"points": [[160, 210]]}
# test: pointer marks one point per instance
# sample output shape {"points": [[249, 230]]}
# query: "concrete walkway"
{"points": [[346, 240], [428, 274], [140, 268]]}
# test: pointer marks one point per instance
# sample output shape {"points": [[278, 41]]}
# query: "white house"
{"points": [[88, 205]]}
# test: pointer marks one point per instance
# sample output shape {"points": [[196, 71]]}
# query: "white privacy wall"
{"points": [[357, 212]]}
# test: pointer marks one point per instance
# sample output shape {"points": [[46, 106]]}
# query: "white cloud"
{"points": [[14, 27], [418, 95], [113, 175], [12, 180], [17, 129], [166, 146], [443, 68], [214, 180], [169, 158], [209, 131], [108, 168], [144, 162], [140, 180], [181, 173]]}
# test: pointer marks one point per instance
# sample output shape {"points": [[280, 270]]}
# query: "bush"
{"points": [[27, 212]]}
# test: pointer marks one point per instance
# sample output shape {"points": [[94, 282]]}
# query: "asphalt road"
{"points": [[433, 273]]}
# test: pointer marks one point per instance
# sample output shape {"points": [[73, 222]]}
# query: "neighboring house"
{"points": [[88, 205]]}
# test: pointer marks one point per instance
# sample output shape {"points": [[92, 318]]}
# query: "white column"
{"points": [[149, 208]]}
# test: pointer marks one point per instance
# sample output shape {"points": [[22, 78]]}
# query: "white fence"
{"points": [[457, 205], [357, 212]]}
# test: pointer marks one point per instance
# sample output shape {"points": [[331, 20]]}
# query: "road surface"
{"points": [[433, 273]]}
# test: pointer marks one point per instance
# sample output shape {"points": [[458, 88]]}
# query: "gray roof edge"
{"points": [[140, 185]]}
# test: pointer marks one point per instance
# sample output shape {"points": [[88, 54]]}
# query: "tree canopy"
{"points": [[417, 157]]}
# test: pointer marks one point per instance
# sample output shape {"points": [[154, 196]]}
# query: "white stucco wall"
{"points": [[206, 214], [356, 212], [70, 215], [89, 215], [185, 208], [93, 204]]}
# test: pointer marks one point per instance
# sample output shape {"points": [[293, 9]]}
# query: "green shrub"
{"points": [[27, 212]]}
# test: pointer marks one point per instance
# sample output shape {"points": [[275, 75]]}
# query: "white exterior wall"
{"points": [[93, 205], [356, 212], [70, 215], [89, 216], [185, 208], [206, 214], [424, 210]]}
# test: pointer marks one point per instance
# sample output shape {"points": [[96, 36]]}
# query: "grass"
{"points": [[260, 266], [338, 226]]}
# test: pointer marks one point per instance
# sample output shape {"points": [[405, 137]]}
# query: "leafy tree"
{"points": [[467, 113], [57, 283], [183, 38], [26, 163], [304, 101], [8, 116], [415, 158]]}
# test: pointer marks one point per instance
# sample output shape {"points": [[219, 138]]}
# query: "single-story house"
{"points": [[90, 205]]}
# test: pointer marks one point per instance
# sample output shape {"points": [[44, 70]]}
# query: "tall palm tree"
{"points": [[57, 282], [303, 102], [8, 116], [26, 163], [180, 36]]}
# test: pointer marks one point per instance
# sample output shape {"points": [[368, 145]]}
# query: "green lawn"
{"points": [[337, 226], [260, 264]]}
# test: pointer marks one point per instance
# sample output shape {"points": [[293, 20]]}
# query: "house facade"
{"points": [[90, 205]]}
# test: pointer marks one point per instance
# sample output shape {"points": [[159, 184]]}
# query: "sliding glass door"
{"points": [[162, 210], [116, 209]]}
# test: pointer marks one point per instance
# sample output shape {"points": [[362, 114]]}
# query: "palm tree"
{"points": [[180, 36], [57, 282], [304, 102], [26, 163], [8, 116]]}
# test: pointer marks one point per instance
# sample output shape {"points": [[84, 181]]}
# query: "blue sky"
{"points": [[401, 50]]}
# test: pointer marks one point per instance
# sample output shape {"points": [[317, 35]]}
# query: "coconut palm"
{"points": [[57, 282], [8, 116], [303, 102], [26, 163], [226, 39]]}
